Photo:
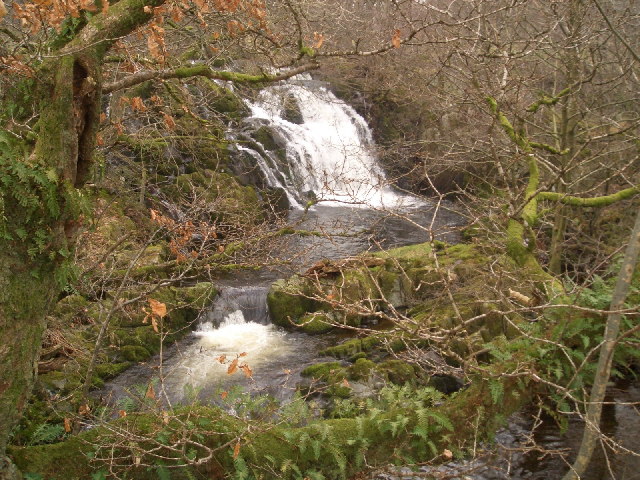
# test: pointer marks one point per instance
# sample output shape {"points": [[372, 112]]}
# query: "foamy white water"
{"points": [[329, 153]]}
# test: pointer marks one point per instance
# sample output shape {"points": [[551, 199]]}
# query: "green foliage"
{"points": [[32, 199], [47, 433]]}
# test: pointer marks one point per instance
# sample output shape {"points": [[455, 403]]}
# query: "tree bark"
{"points": [[594, 409], [69, 92]]}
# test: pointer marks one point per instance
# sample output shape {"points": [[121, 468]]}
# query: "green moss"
{"points": [[288, 301], [265, 136], [221, 195], [352, 347], [134, 353], [109, 370], [322, 370], [362, 369], [397, 371], [315, 323]]}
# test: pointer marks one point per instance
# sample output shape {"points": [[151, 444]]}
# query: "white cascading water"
{"points": [[329, 152], [237, 323]]}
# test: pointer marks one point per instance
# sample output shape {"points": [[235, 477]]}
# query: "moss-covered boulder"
{"points": [[290, 300], [221, 195]]}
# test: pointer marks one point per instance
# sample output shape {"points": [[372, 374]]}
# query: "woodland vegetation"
{"points": [[124, 203]]}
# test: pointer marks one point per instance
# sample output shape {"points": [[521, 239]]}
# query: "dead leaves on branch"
{"points": [[182, 234], [155, 313], [39, 15]]}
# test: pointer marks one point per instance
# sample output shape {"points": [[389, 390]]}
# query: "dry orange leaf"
{"points": [[84, 409], [122, 413], [319, 40], [222, 358], [150, 392], [246, 369], [232, 367], [67, 424], [165, 417], [395, 40], [224, 395], [236, 450], [158, 308], [243, 354], [138, 105], [169, 122]]}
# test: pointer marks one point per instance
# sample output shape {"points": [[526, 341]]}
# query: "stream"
{"points": [[330, 161]]}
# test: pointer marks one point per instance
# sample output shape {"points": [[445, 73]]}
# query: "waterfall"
{"points": [[318, 148]]}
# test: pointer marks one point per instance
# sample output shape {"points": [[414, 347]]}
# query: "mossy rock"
{"points": [[106, 371], [352, 347], [71, 306], [315, 323], [223, 100], [292, 111], [324, 370], [288, 301], [221, 195], [397, 371], [151, 255], [265, 137], [134, 353], [362, 369]]}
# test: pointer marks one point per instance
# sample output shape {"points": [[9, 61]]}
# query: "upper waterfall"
{"points": [[327, 146]]}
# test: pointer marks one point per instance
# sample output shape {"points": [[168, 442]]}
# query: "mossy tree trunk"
{"points": [[68, 90]]}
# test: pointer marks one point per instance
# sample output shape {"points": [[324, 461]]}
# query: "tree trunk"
{"points": [[69, 89], [594, 409], [22, 322]]}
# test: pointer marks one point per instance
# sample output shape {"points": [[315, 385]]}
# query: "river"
{"points": [[331, 161]]}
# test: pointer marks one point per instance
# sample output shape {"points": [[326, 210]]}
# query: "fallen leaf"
{"points": [[345, 383], [448, 454], [67, 421], [169, 122], [122, 413], [84, 409], [395, 40], [236, 450], [150, 392], [243, 354], [222, 358], [224, 395], [165, 417]]}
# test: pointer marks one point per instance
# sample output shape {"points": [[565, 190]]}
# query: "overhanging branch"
{"points": [[602, 201], [204, 71]]}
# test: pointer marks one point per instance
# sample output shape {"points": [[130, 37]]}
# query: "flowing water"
{"points": [[329, 160]]}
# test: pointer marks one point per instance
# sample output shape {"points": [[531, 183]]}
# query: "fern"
{"points": [[496, 389], [46, 433]]}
